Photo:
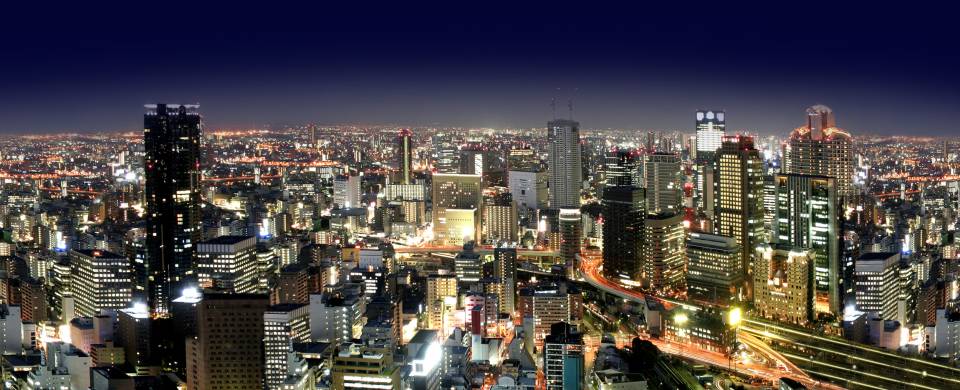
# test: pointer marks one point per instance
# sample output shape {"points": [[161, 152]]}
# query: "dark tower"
{"points": [[171, 138], [405, 156]]}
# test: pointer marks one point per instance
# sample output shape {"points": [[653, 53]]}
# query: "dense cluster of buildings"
{"points": [[344, 257]]}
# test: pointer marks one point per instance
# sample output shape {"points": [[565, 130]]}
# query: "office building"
{"points": [[346, 191], [807, 217], [456, 204], [624, 210], [228, 263], [661, 178], [563, 364], [820, 148], [529, 189], [283, 325], [105, 281], [171, 141], [468, 264], [357, 366], [134, 335], [549, 303], [876, 283], [336, 316], [622, 168], [227, 351], [783, 284], [441, 300], [664, 252], [714, 273], [738, 207], [566, 173]]}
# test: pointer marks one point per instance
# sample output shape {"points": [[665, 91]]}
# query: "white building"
{"points": [[103, 281], [336, 317], [346, 191], [877, 284], [228, 262]]}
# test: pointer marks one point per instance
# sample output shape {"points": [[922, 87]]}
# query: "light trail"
{"points": [[858, 372]]}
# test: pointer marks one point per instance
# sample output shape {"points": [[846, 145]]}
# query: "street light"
{"points": [[734, 316], [680, 319]]}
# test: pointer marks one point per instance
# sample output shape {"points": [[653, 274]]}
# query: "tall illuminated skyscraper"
{"points": [[171, 136], [820, 148], [807, 217], [566, 175], [405, 156], [711, 127], [622, 168], [661, 178], [738, 211]]}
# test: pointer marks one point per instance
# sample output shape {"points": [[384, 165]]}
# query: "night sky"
{"points": [[884, 70]]}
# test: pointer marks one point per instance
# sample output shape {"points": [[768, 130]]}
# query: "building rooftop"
{"points": [[226, 240]]}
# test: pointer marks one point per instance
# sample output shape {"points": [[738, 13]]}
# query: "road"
{"points": [[591, 272]]}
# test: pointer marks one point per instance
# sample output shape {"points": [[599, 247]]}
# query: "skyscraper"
{"points": [[711, 127], [714, 273], [227, 352], [807, 217], [782, 283], [820, 148], [664, 258], [405, 156], [228, 263], [171, 138], [563, 358], [738, 179], [661, 178], [566, 175], [622, 168], [624, 209], [103, 281], [456, 207]]}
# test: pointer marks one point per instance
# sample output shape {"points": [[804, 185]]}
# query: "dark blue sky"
{"points": [[883, 70]]}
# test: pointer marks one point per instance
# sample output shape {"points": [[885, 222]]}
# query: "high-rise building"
{"points": [[664, 256], [171, 141], [711, 126], [571, 238], [738, 211], [783, 284], [228, 263], [468, 265], [134, 335], [661, 178], [441, 300], [283, 325], [336, 316], [877, 284], [104, 281], [622, 168], [563, 365], [346, 191], [405, 156], [549, 303], [624, 209], [456, 204], [227, 351], [714, 273], [505, 272], [500, 220], [820, 148], [807, 216], [529, 190], [566, 174]]}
